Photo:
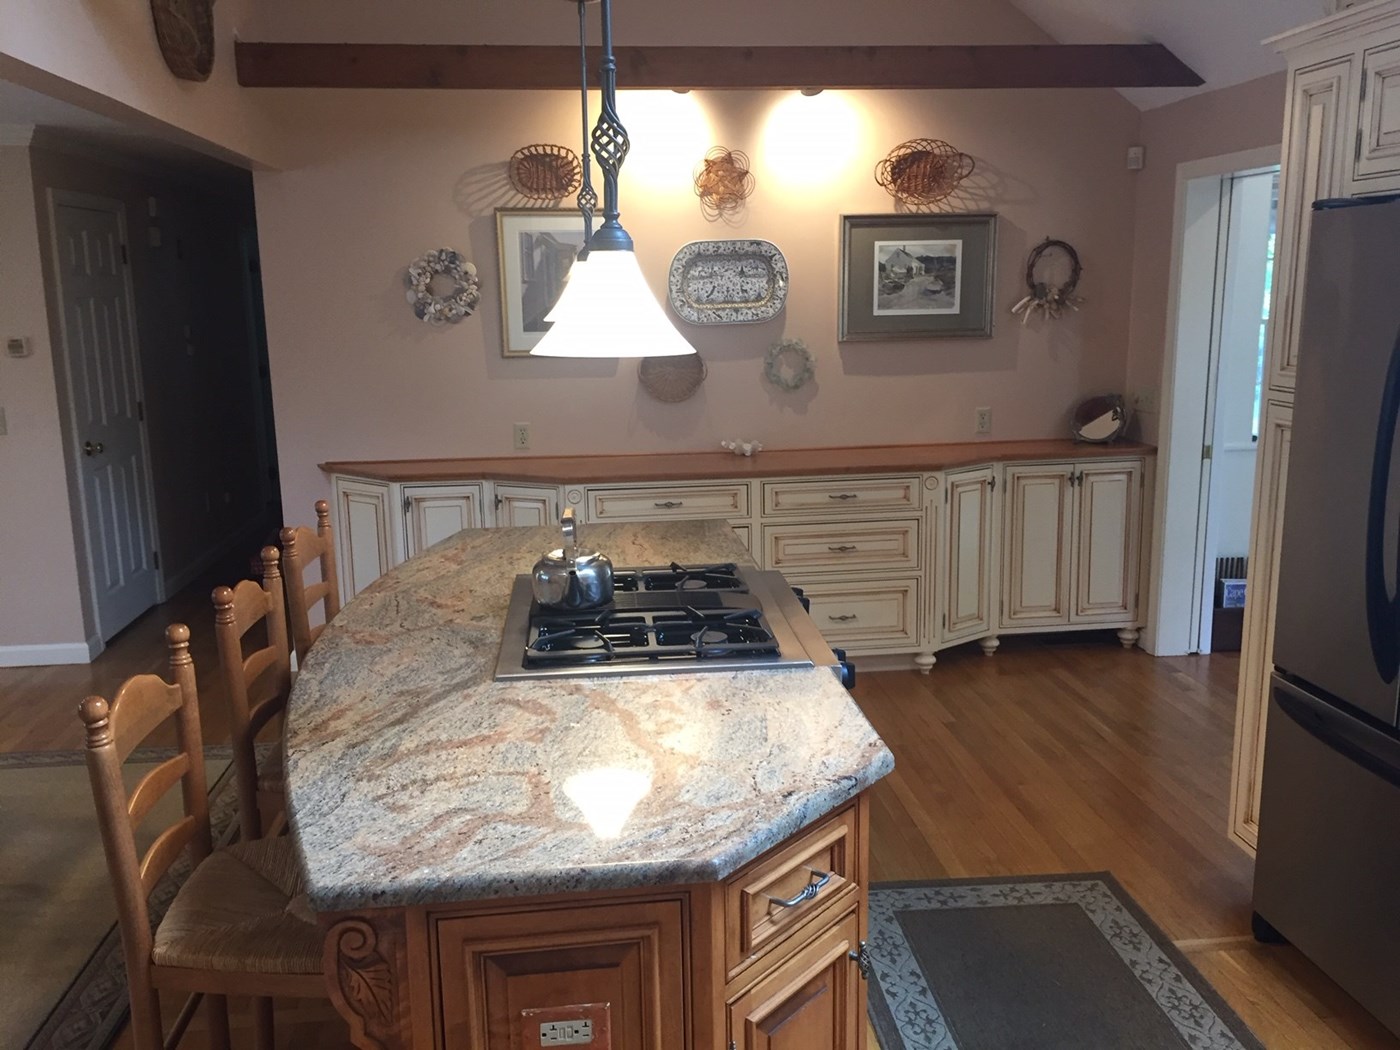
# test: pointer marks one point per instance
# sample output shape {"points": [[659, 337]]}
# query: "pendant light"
{"points": [[607, 309]]}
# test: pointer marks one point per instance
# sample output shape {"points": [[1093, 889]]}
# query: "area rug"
{"points": [[1044, 962], [60, 959]]}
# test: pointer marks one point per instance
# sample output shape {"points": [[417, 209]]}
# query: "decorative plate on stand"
{"points": [[728, 282]]}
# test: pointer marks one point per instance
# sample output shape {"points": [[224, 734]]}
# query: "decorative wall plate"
{"points": [[728, 282]]}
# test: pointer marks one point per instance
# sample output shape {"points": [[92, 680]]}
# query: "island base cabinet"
{"points": [[627, 956], [813, 1001]]}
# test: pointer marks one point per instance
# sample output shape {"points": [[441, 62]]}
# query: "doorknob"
{"points": [[92, 448]]}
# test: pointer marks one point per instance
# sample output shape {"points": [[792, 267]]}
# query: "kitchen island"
{"points": [[677, 859]]}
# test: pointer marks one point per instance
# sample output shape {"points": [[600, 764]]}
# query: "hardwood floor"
{"points": [[1052, 756]]}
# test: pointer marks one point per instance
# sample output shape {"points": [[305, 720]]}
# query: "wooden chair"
{"points": [[300, 546], [239, 924], [258, 686]]}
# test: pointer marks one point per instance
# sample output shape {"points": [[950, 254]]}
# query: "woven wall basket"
{"points": [[185, 33]]}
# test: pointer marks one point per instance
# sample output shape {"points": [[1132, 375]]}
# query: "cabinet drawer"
{"points": [[865, 613], [672, 501], [753, 917], [853, 545], [856, 496]]}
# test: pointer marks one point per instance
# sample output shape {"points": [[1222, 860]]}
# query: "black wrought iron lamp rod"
{"points": [[610, 146], [587, 196]]}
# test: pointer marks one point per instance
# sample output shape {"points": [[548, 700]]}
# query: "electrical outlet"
{"points": [[982, 421], [566, 1033], [4, 429], [520, 435]]}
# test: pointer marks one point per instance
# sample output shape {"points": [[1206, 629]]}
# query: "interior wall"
{"points": [[40, 602], [197, 362], [1231, 120], [377, 177]]}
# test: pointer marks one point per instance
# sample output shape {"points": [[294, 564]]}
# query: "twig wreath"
{"points": [[1051, 298], [442, 307], [788, 365]]}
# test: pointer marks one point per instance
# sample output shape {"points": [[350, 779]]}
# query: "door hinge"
{"points": [[155, 558], [125, 261], [499, 501], [407, 504], [140, 412], [945, 621], [1365, 80], [1207, 451], [993, 482], [1358, 145]]}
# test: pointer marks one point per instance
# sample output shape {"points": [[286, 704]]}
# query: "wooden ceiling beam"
{"points": [[503, 67]]}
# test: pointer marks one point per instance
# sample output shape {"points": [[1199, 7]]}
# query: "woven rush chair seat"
{"points": [[242, 909]]}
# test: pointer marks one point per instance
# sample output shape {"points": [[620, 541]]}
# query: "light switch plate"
{"points": [[18, 346]]}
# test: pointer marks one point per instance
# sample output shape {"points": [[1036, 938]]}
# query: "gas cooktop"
{"points": [[664, 619]]}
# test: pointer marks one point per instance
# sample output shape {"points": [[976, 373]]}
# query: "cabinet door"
{"points": [[363, 534], [812, 1001], [1379, 146], [435, 512], [1316, 146], [1108, 528], [1036, 546], [969, 593], [527, 505], [1257, 646], [627, 959]]}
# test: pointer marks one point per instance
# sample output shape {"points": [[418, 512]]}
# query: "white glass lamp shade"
{"points": [[608, 310]]}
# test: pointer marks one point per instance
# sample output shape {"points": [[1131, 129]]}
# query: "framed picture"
{"points": [[536, 248], [917, 276]]}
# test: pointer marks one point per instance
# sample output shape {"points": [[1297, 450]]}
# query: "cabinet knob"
{"points": [[92, 448]]}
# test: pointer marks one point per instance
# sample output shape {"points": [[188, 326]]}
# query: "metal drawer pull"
{"points": [[670, 503], [843, 548], [843, 495], [806, 893], [843, 617]]}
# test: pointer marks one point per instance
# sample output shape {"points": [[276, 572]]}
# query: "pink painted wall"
{"points": [[1231, 120], [104, 56], [377, 177], [40, 603]]}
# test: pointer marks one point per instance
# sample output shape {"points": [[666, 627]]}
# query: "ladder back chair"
{"points": [[258, 686], [300, 547], [239, 924]]}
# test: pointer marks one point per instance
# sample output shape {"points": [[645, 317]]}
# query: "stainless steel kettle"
{"points": [[571, 577]]}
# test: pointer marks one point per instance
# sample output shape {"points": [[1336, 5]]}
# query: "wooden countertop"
{"points": [[700, 466]]}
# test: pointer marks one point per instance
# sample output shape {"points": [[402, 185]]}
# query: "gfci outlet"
{"points": [[982, 421], [520, 435], [566, 1033]]}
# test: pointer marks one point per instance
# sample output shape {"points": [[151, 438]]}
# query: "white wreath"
{"points": [[788, 365], [455, 305]]}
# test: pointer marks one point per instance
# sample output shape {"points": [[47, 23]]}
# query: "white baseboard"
{"points": [[49, 655]]}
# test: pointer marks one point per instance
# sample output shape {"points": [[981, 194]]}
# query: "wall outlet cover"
{"points": [[982, 421]]}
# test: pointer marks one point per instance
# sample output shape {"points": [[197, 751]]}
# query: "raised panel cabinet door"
{"points": [[1037, 546], [435, 512], [363, 534], [813, 1001], [1315, 149], [969, 595], [527, 505], [1380, 115], [1257, 645], [1108, 526], [630, 957]]}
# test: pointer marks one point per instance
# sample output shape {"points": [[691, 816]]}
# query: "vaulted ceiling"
{"points": [[1219, 39]]}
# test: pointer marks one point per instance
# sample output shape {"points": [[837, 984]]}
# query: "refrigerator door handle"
{"points": [[1383, 607], [1345, 734]]}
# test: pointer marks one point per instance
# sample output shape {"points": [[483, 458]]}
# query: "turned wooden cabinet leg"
{"points": [[989, 644], [1128, 636], [924, 662]]}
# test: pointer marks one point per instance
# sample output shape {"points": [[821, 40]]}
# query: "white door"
{"points": [[1037, 545], [968, 595], [1108, 522], [435, 512], [527, 505], [364, 534], [104, 394]]}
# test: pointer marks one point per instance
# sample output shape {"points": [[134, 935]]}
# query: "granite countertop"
{"points": [[414, 778], [770, 463]]}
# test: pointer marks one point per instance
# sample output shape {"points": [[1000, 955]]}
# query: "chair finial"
{"points": [[177, 635], [95, 712], [271, 562]]}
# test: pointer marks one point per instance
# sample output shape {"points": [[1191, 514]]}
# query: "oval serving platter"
{"points": [[728, 282]]}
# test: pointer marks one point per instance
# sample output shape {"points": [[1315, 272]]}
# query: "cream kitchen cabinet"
{"points": [[1072, 547], [1341, 138], [971, 533], [897, 564]]}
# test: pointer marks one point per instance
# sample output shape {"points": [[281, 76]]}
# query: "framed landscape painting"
{"points": [[536, 249], [917, 276]]}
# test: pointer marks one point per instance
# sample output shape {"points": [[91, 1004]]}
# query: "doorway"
{"points": [[1212, 383]]}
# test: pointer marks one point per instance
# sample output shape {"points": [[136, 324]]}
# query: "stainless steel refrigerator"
{"points": [[1327, 875]]}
